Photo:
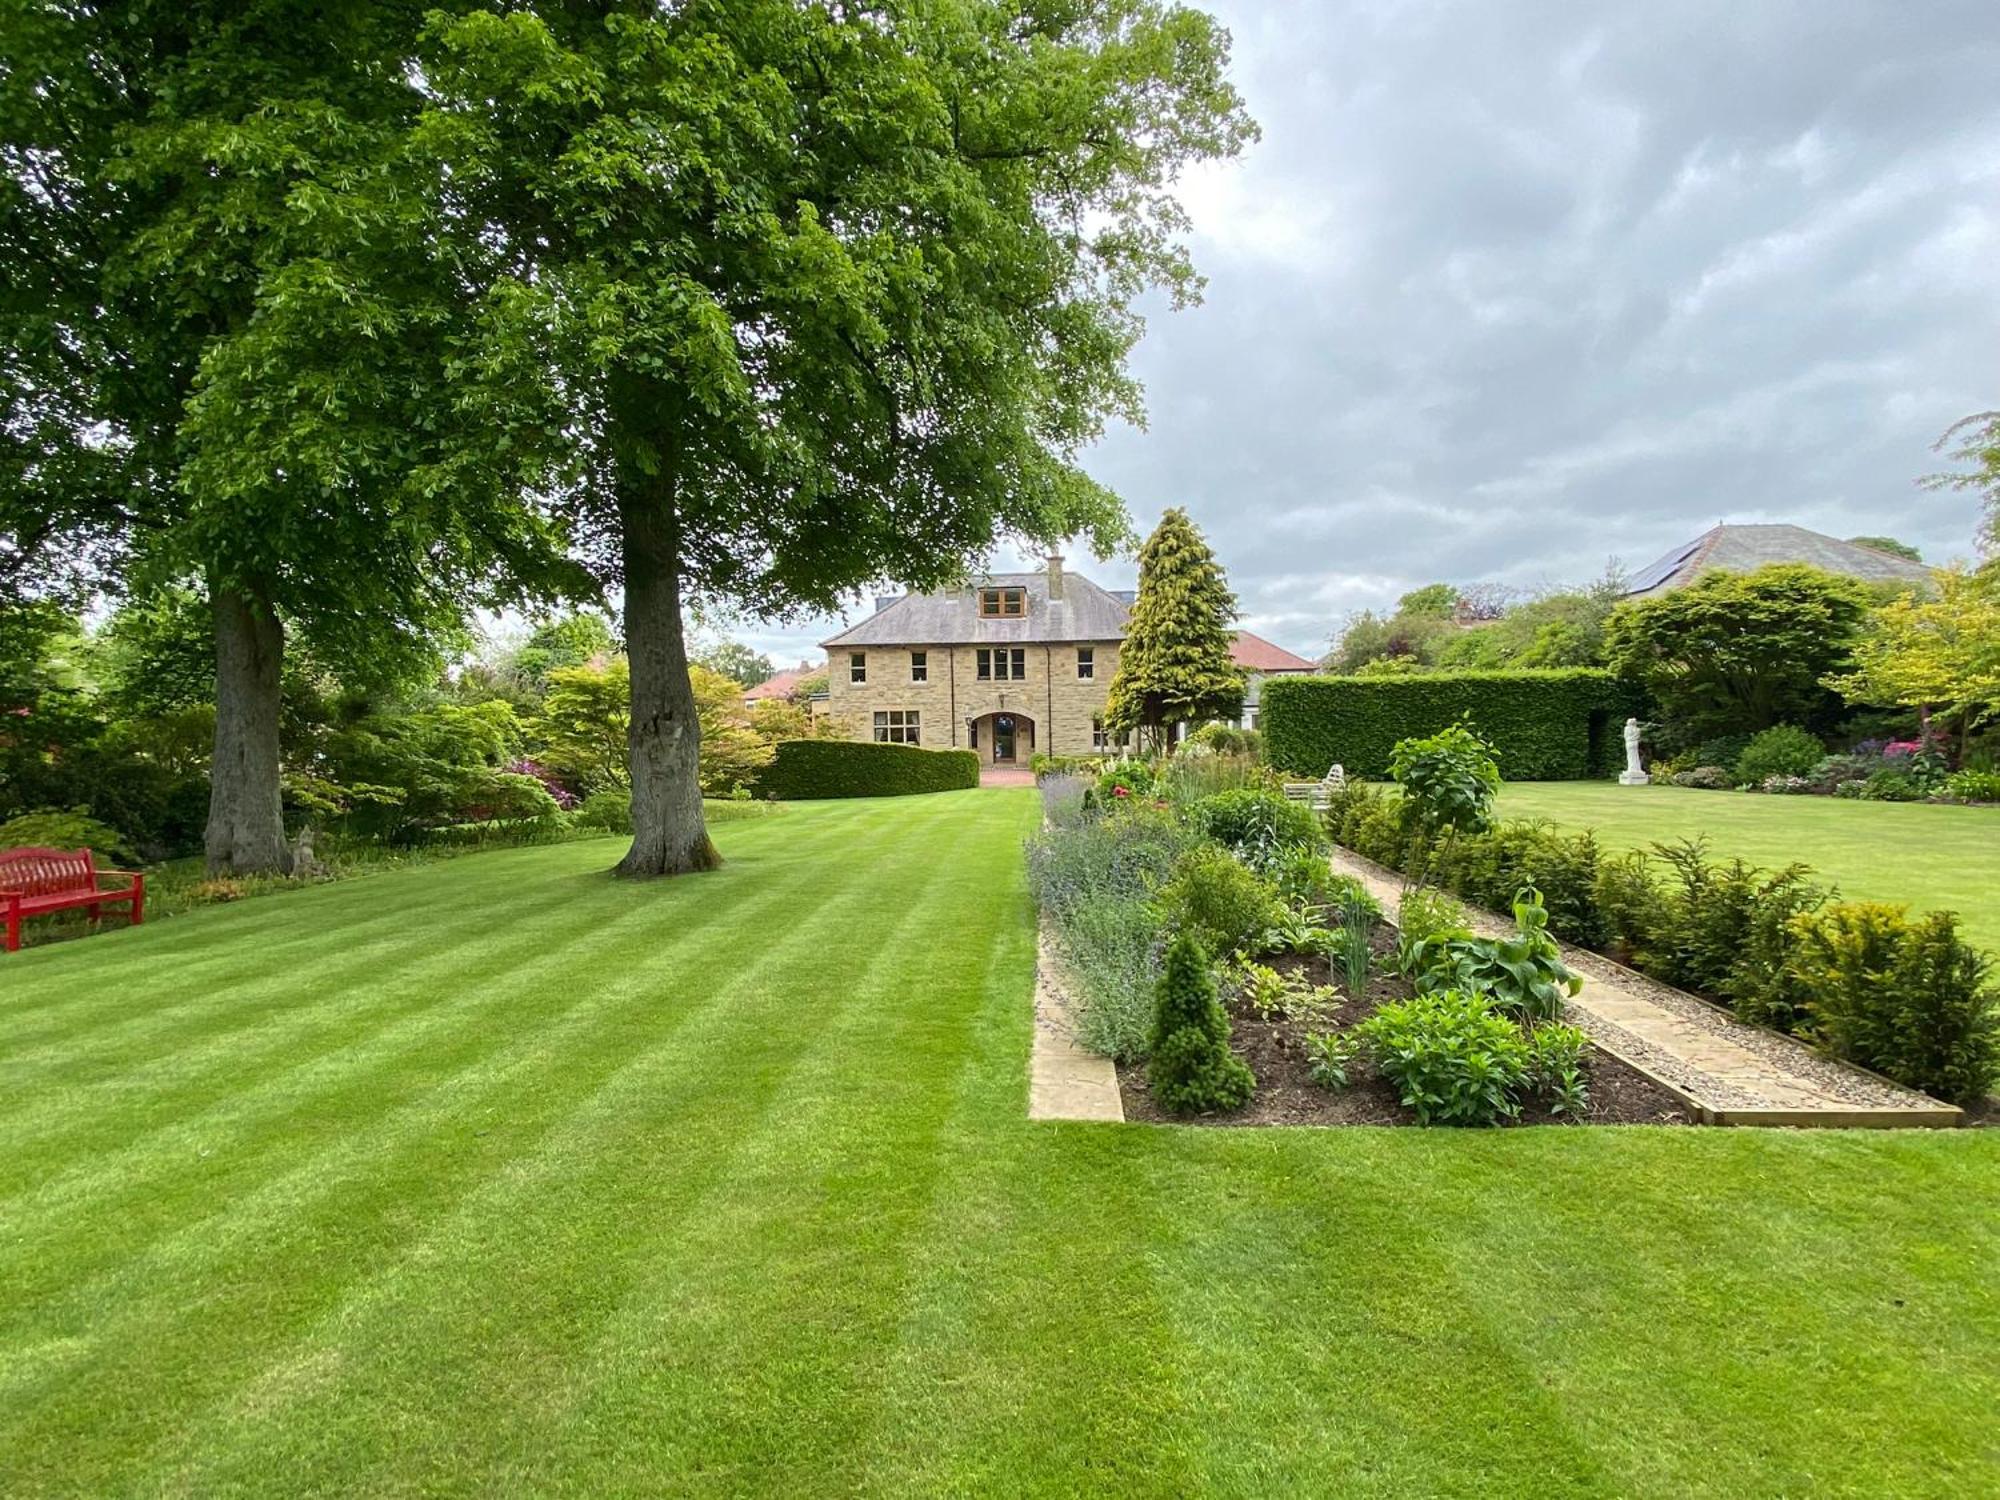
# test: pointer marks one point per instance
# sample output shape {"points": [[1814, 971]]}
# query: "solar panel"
{"points": [[1659, 572]]}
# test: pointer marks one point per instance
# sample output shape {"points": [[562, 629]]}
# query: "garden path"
{"points": [[1731, 1072]]}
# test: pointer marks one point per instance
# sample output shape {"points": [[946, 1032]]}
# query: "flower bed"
{"points": [[1278, 1049]]}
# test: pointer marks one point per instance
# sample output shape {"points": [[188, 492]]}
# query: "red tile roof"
{"points": [[1255, 654], [781, 684]]}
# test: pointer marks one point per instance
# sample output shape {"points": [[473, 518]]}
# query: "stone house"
{"points": [[1011, 665], [1260, 659]]}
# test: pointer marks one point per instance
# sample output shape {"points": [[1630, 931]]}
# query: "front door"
{"points": [[1003, 739]]}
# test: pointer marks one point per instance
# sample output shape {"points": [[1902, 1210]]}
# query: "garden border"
{"points": [[1386, 884]]}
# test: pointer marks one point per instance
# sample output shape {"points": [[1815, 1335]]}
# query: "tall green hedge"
{"points": [[1561, 725], [805, 769]]}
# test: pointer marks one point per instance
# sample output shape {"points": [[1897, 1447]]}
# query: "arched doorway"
{"points": [[1003, 738]]}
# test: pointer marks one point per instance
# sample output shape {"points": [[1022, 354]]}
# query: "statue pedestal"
{"points": [[1634, 778]]}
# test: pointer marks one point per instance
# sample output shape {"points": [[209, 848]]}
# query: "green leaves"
{"points": [[1448, 779]]}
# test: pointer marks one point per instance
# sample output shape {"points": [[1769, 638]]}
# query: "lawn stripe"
{"points": [[648, 1105], [272, 1201], [326, 999]]}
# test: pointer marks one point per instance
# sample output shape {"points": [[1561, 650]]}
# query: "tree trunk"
{"points": [[246, 823], [669, 836]]}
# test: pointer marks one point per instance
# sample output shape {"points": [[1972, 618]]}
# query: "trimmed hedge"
{"points": [[802, 770], [1555, 725]]}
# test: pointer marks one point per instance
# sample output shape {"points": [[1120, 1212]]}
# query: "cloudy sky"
{"points": [[1512, 287]]}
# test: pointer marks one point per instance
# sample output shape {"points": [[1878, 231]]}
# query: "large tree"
{"points": [[1175, 665], [839, 291], [1937, 651], [297, 390], [1974, 442], [1738, 652]]}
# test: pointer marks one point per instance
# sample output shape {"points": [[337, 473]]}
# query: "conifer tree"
{"points": [[1175, 666], [1192, 1067]]}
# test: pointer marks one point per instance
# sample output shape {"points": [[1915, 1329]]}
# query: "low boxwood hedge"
{"points": [[802, 770], [1556, 725]]}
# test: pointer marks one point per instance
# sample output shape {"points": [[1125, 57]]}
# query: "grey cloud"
{"points": [[1510, 288]]}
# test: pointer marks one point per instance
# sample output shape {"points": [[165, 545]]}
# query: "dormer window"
{"points": [[1002, 604]]}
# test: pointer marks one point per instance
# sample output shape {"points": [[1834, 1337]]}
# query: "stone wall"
{"points": [[1059, 703]]}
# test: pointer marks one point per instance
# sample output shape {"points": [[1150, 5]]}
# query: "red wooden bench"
{"points": [[34, 882]]}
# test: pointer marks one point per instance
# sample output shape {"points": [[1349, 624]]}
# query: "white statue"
{"points": [[1633, 775]]}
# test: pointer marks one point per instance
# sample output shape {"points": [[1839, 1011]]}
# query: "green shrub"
{"points": [[802, 770], [1192, 1068], [1556, 1069], [1558, 725], [53, 828], [1305, 879], [1424, 916], [1125, 780], [610, 811], [1523, 975], [1227, 739], [1066, 765], [1631, 907], [1358, 915], [1218, 899], [1973, 786], [1260, 826], [1910, 1000], [1189, 778], [1781, 750], [1883, 786], [1452, 1060], [1448, 780], [1706, 779], [1763, 984], [1330, 1057]]}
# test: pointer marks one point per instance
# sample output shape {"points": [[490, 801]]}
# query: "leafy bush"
{"points": [[801, 770], [1426, 916], [1294, 932], [1330, 1057], [1787, 786], [1451, 1059], [610, 811], [54, 828], [1260, 826], [1066, 765], [1544, 725], [1192, 1068], [1189, 778], [1781, 750], [1448, 780], [1630, 906], [1128, 778], [1910, 999], [1555, 1068], [1305, 879], [1219, 900], [1227, 739], [1886, 785], [1973, 786], [1524, 974], [1706, 779]]}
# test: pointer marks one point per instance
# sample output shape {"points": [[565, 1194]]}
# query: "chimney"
{"points": [[1055, 575]]}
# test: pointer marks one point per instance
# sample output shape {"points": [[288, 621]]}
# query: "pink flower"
{"points": [[1897, 749], [1121, 791]]}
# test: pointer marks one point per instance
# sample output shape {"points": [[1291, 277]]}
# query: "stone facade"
{"points": [[1052, 707]]}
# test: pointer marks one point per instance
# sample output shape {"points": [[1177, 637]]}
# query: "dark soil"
{"points": [[1286, 1094]]}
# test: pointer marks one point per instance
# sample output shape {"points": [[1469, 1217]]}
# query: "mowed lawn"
{"points": [[500, 1177], [1927, 856]]}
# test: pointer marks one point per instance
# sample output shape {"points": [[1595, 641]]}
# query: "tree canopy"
{"points": [[832, 294], [1940, 652], [1738, 652]]}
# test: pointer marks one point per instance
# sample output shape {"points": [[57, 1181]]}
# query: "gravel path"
{"points": [[1735, 1072]]}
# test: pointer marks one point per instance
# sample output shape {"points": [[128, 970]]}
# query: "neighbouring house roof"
{"points": [[1255, 654], [1744, 549], [782, 684], [951, 617]]}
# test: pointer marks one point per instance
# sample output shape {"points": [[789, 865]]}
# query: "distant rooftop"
{"points": [[1744, 549], [1255, 654]]}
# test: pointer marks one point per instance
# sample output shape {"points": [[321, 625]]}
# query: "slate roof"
{"points": [[1744, 549], [951, 618], [1255, 654]]}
